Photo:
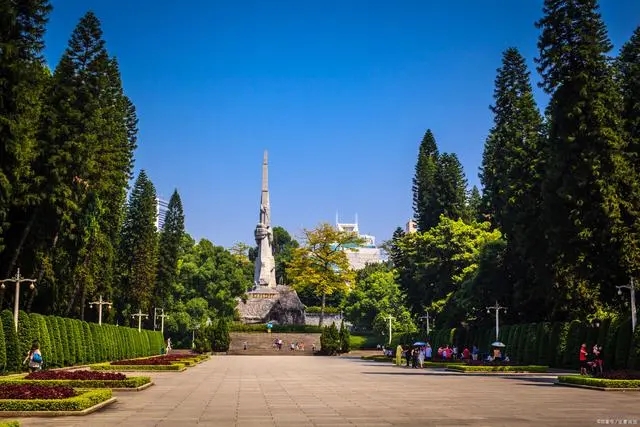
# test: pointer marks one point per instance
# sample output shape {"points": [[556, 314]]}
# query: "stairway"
{"points": [[261, 343]]}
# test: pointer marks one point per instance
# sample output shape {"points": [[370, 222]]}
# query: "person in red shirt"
{"points": [[465, 353], [583, 359]]}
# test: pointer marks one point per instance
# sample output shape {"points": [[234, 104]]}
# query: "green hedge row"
{"points": [[550, 344], [68, 342], [261, 327]]}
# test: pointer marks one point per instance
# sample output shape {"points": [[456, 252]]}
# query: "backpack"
{"points": [[37, 358]]}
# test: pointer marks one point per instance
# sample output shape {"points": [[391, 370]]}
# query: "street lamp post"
{"points": [[162, 316], [140, 315], [100, 303], [427, 318], [632, 289], [497, 307], [389, 318], [18, 280]]}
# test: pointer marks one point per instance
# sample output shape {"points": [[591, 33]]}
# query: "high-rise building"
{"points": [[361, 255], [411, 227], [162, 206]]}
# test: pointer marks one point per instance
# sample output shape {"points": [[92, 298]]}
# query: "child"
{"points": [[34, 358]]}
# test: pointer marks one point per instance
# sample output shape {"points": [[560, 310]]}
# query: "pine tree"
{"points": [[169, 249], [585, 165], [138, 248], [424, 203], [512, 173], [86, 163], [475, 208], [23, 76], [628, 65], [450, 189]]}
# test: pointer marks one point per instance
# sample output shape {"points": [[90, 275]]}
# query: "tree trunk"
{"points": [[83, 299], [321, 321], [23, 238]]}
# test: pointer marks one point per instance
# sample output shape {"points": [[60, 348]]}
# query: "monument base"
{"points": [[280, 305]]}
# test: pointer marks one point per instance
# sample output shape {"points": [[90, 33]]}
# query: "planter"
{"points": [[174, 367], [83, 403], [598, 383], [498, 369]]}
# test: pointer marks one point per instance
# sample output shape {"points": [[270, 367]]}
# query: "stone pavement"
{"points": [[340, 391]]}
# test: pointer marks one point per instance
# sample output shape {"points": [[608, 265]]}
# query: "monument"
{"points": [[267, 301]]}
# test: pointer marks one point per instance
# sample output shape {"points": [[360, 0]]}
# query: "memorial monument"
{"points": [[267, 301]]}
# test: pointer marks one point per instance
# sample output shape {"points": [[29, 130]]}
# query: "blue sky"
{"points": [[339, 92]]}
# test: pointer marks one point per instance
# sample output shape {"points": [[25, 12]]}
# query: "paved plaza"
{"points": [[265, 391]]}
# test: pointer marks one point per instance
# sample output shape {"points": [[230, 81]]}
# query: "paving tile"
{"points": [[302, 391]]}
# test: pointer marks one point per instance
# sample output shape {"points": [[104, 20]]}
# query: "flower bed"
{"points": [[76, 375], [80, 379], [600, 383], [33, 391], [498, 368], [179, 367], [80, 401]]}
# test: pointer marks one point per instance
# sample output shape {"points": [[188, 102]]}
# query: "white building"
{"points": [[367, 253], [162, 206]]}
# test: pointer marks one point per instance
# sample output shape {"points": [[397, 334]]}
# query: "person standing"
{"points": [[34, 358], [583, 359]]}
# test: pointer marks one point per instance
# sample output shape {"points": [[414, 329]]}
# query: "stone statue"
{"points": [[264, 273]]}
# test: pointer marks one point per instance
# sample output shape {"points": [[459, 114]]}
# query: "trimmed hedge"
{"points": [[553, 344], [85, 400], [506, 368], [109, 367], [130, 382], [598, 382], [12, 423], [68, 342]]}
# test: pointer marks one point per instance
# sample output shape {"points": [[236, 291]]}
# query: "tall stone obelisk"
{"points": [[265, 265]]}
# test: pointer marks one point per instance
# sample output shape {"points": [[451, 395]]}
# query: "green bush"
{"points": [[109, 367], [10, 423], [524, 368], [623, 345], [220, 338], [330, 340], [130, 382], [327, 310], [3, 351], [598, 382], [12, 345], [83, 401], [345, 339], [25, 334]]}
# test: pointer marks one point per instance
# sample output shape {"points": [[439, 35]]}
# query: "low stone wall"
{"points": [[314, 319]]}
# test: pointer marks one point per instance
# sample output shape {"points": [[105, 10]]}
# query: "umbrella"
{"points": [[419, 343], [497, 344]]}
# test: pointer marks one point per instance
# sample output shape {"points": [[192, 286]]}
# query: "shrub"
{"points": [[32, 391], [13, 355], [345, 339], [220, 338], [330, 340], [598, 382], [10, 423], [25, 334], [3, 351]]}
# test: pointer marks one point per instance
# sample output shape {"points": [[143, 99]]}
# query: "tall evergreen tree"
{"points": [[512, 173], [475, 207], [22, 78], [169, 249], [138, 249], [424, 202], [586, 168], [628, 65], [450, 189], [86, 162]]}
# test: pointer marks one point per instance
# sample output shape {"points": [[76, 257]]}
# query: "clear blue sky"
{"points": [[339, 91]]}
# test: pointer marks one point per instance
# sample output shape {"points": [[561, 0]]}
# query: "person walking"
{"points": [[34, 358], [583, 359]]}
